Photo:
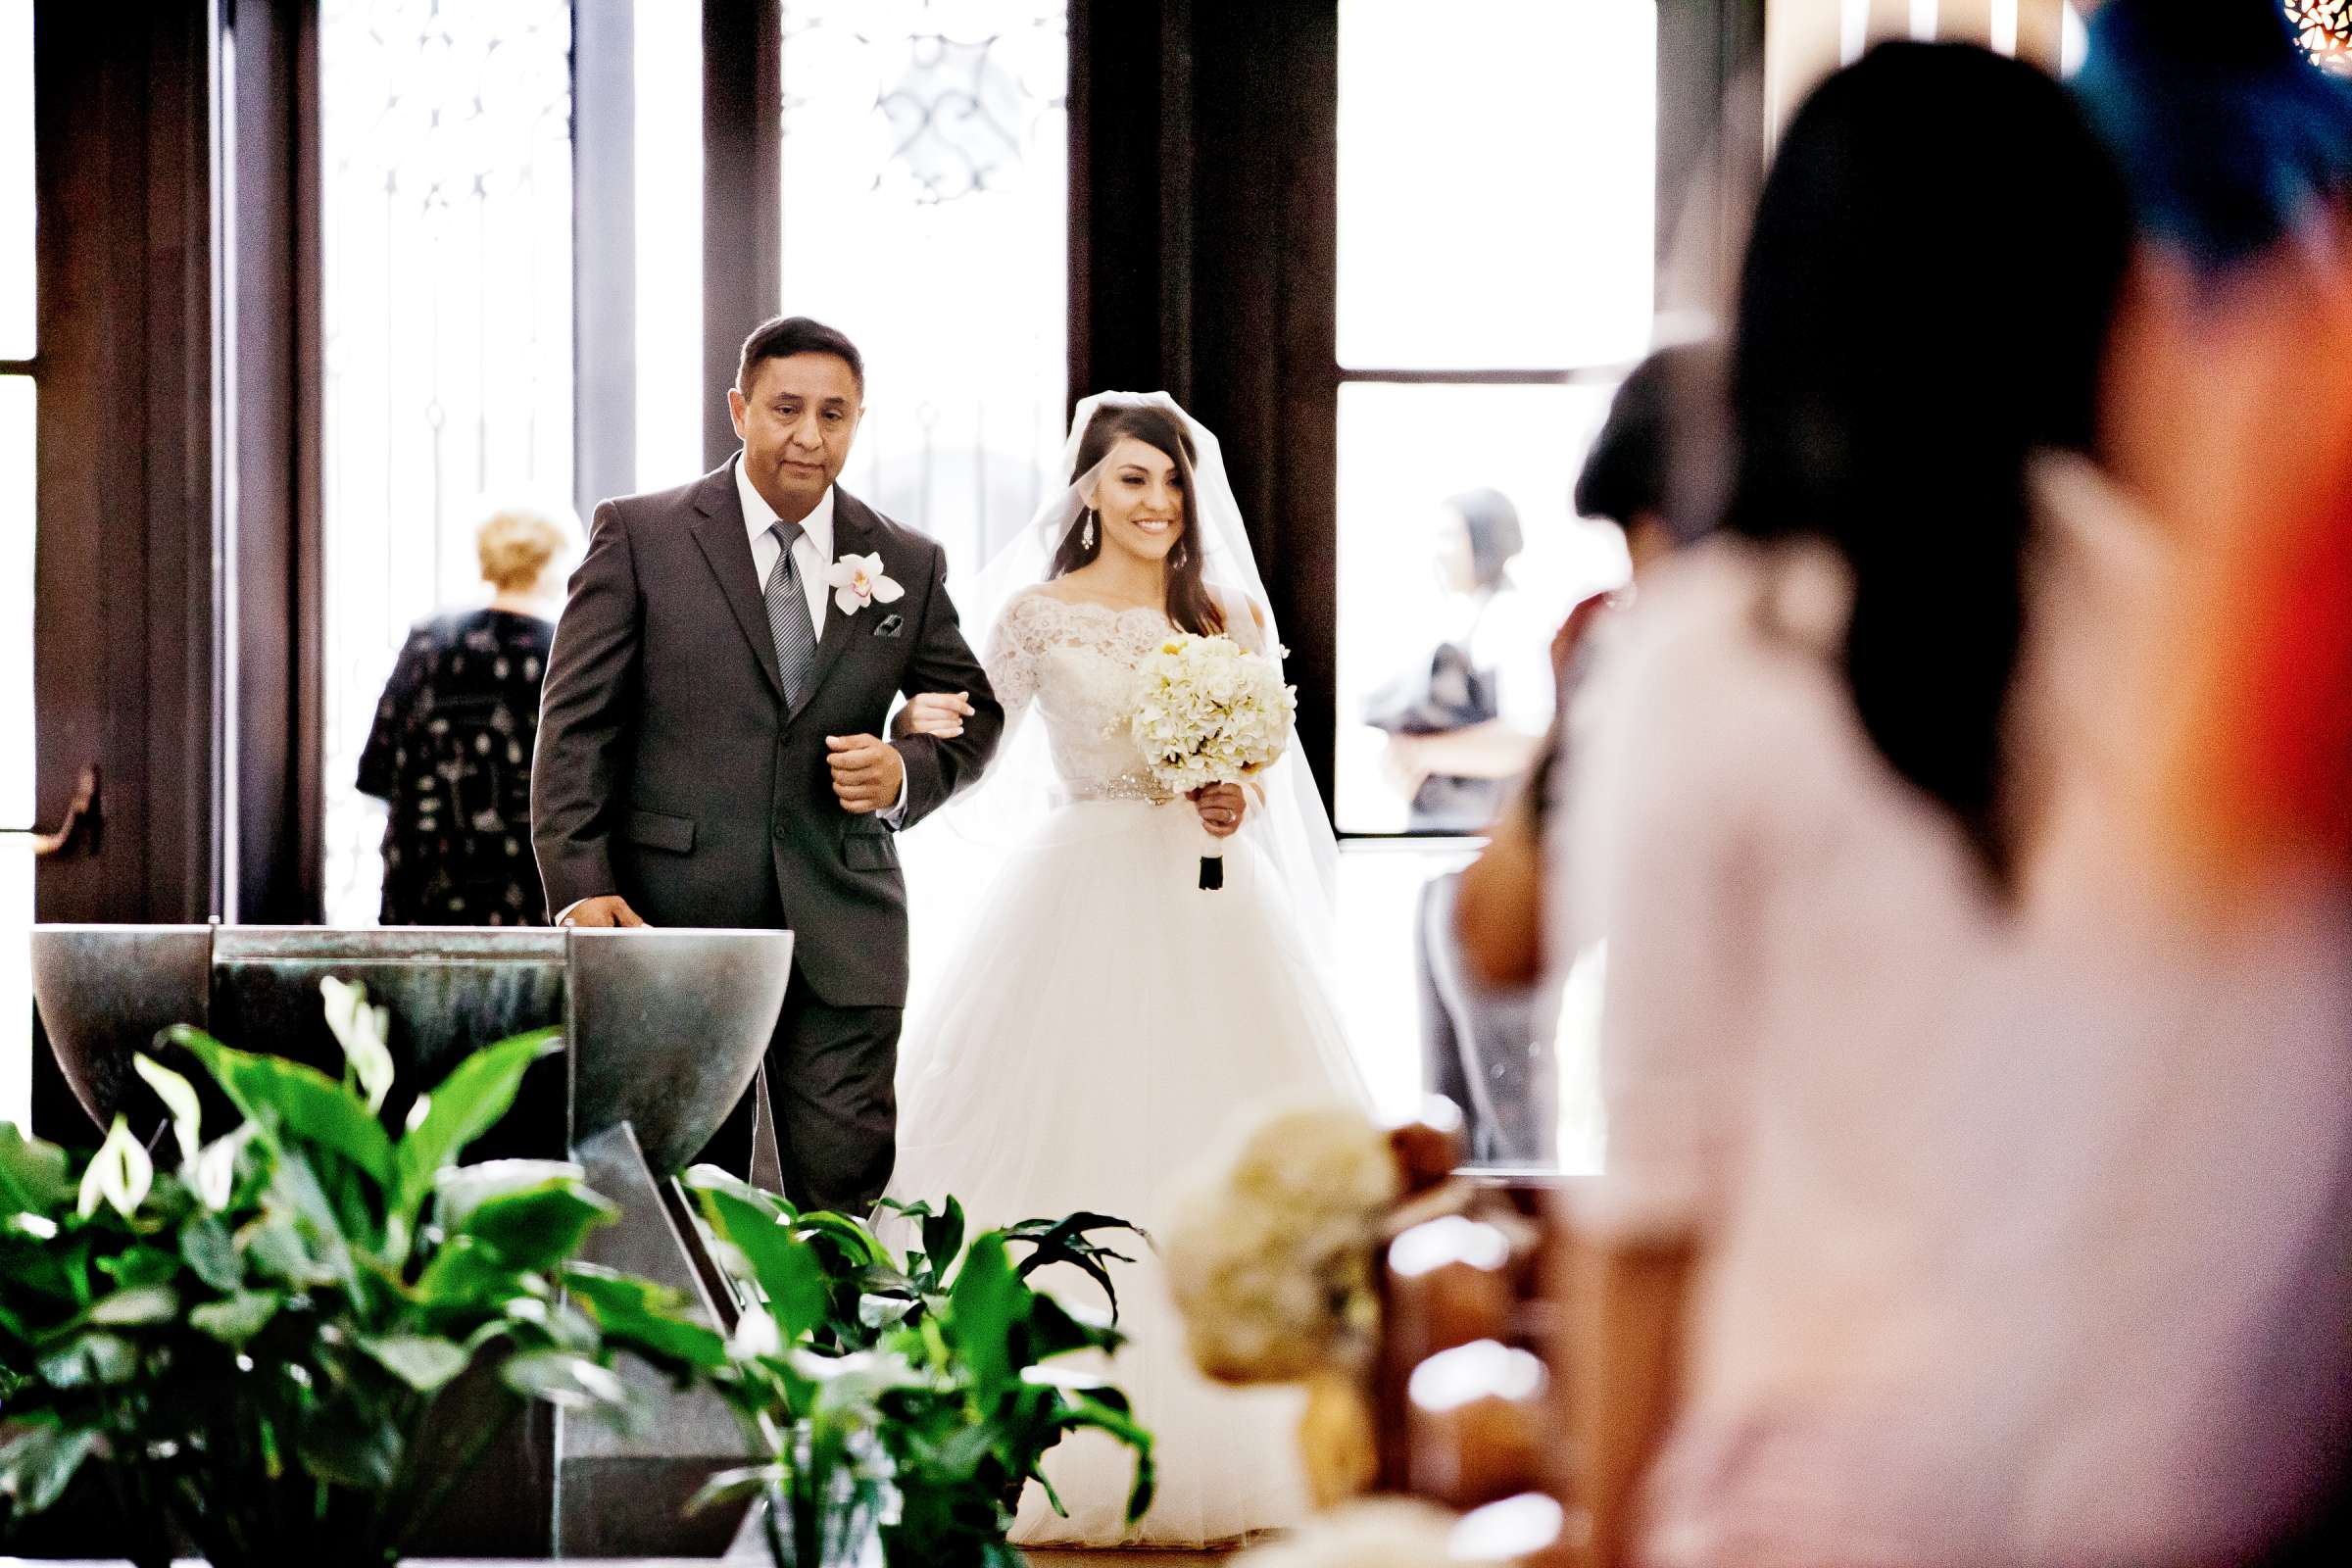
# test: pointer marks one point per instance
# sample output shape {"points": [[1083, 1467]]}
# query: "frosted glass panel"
{"points": [[670, 395], [1497, 175], [447, 136], [926, 192], [16, 181]]}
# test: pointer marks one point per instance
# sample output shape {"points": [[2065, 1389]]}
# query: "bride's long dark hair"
{"points": [[1189, 605]]}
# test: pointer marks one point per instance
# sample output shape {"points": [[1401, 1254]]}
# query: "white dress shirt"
{"points": [[812, 555]]}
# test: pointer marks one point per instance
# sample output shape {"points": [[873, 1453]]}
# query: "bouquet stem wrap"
{"points": [[1213, 867]]}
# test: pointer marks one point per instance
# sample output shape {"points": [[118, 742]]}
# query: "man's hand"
{"points": [[866, 772], [611, 909]]}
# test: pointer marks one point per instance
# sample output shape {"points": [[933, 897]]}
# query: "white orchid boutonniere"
{"points": [[858, 581]]}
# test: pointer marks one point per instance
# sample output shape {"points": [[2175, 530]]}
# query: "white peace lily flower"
{"points": [[120, 1174], [756, 1334], [179, 1099], [858, 581], [361, 1030], [217, 1167]]}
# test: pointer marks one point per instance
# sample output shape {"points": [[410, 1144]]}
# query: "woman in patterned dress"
{"points": [[451, 751]]}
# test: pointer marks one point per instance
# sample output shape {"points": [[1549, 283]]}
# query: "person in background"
{"points": [[1454, 747], [449, 754], [1453, 751], [1959, 1185], [1637, 476]]}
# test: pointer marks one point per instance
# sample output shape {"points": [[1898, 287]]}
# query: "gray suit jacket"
{"points": [[669, 770]]}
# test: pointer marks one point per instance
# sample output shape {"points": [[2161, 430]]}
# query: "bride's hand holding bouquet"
{"points": [[1208, 717]]}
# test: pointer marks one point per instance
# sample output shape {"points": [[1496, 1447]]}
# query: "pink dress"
{"points": [[2019, 1217]]}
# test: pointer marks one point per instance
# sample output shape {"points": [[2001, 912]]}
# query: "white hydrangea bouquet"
{"points": [[1210, 711], [1271, 1240]]}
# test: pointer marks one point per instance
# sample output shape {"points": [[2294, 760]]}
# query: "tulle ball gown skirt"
{"points": [[1099, 1022]]}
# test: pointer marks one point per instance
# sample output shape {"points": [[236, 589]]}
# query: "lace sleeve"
{"points": [[1014, 644]]}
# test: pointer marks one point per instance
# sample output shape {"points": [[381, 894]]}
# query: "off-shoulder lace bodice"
{"points": [[1076, 663]]}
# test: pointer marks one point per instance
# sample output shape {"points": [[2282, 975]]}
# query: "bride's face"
{"points": [[1140, 499]]}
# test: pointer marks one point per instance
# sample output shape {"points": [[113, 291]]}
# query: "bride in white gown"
{"points": [[1104, 1016]]}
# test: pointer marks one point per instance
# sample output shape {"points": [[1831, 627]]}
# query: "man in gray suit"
{"points": [[708, 750]]}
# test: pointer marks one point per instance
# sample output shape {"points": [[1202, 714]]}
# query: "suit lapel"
{"points": [[856, 532], [719, 530]]}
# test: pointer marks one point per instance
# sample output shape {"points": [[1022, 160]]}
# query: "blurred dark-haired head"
{"points": [[1926, 302], [2230, 137], [1478, 537], [1645, 471]]}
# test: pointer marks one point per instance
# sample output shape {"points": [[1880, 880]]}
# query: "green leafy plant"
{"points": [[294, 1342], [907, 1399]]}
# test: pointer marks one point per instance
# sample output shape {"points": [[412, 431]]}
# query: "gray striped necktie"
{"points": [[788, 617]]}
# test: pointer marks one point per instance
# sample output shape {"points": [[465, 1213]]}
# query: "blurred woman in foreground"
{"points": [[1953, 1181]]}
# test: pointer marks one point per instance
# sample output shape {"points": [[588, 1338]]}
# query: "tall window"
{"points": [[16, 349], [1496, 264], [925, 209], [447, 147], [669, 199]]}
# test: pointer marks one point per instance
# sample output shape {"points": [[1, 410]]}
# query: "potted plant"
{"points": [[901, 1404], [294, 1340]]}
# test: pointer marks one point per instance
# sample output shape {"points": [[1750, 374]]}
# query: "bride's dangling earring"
{"points": [[1086, 539], [1176, 555]]}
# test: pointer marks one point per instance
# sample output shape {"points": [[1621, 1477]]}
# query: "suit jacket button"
{"points": [[782, 832]]}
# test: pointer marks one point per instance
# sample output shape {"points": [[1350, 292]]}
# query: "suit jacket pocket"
{"points": [[662, 831], [865, 846]]}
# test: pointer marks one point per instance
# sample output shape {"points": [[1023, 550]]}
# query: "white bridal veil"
{"points": [[1015, 800]]}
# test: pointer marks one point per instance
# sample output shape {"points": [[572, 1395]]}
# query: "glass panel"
{"points": [[1496, 178], [1407, 580], [926, 174], [15, 760], [670, 396], [446, 130], [16, 181], [1387, 1002], [1380, 977]]}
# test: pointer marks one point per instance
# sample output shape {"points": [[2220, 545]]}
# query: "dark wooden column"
{"points": [[1710, 145], [127, 619], [126, 609], [1203, 244], [743, 193], [273, 379]]}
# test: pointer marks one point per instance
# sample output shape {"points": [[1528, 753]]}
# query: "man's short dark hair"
{"points": [[780, 337]]}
